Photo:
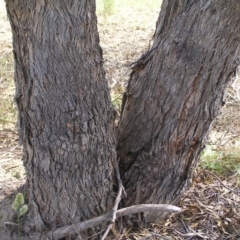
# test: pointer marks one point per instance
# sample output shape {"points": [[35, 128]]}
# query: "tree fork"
{"points": [[66, 117]]}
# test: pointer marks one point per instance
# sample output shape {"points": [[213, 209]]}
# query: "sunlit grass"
{"points": [[8, 113], [108, 7], [145, 5], [221, 161], [6, 69], [116, 7], [3, 14], [116, 99]]}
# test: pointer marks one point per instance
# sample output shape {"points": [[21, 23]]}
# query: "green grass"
{"points": [[225, 161], [116, 99], [108, 7]]}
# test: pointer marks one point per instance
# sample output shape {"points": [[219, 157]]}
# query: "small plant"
{"points": [[108, 6], [116, 99], [222, 162], [21, 208], [16, 175]]}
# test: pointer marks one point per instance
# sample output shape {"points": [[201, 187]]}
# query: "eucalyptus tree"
{"points": [[66, 120]]}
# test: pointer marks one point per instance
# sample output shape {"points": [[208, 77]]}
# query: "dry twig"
{"points": [[230, 189], [117, 201], [82, 226]]}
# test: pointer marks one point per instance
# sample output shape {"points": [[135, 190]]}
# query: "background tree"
{"points": [[66, 119]]}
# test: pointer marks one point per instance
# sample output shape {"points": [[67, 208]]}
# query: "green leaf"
{"points": [[19, 200], [23, 209], [15, 205]]}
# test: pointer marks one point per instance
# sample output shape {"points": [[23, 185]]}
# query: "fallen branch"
{"points": [[121, 191], [83, 226]]}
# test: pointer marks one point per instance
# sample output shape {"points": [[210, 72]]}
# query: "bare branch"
{"points": [[117, 201], [83, 226]]}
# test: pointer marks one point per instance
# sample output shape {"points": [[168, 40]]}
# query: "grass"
{"points": [[6, 69], [108, 7], [222, 161], [3, 14], [126, 7], [8, 113], [116, 99]]}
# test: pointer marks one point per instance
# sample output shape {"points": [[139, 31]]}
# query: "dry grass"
{"points": [[8, 113]]}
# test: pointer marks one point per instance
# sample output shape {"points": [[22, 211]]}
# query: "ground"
{"points": [[211, 208]]}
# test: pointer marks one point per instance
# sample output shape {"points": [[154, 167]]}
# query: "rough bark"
{"points": [[66, 119], [174, 93]]}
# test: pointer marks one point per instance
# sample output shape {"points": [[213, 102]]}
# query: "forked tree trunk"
{"points": [[66, 119], [174, 93], [65, 113]]}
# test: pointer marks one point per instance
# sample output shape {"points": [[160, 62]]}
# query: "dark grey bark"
{"points": [[65, 113], [174, 93]]}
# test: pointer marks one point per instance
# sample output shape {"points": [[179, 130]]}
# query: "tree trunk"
{"points": [[66, 120], [174, 93]]}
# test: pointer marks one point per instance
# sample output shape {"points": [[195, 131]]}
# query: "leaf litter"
{"points": [[210, 211]]}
